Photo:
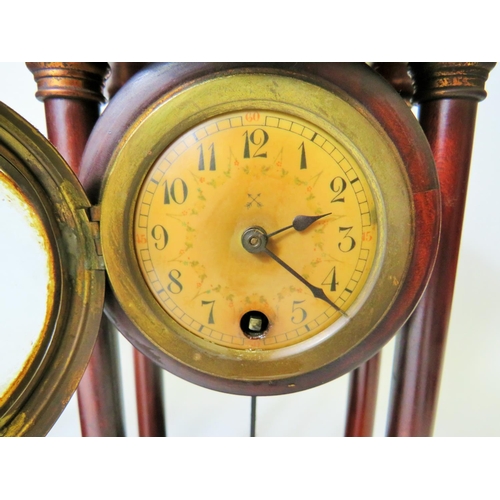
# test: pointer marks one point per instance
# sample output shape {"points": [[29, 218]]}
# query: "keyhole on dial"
{"points": [[254, 324]]}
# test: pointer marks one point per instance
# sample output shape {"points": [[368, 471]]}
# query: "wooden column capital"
{"points": [[73, 80], [450, 80]]}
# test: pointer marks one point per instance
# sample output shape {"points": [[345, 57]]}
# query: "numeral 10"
{"points": [[176, 192]]}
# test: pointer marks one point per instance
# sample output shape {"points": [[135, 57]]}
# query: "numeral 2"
{"points": [[338, 186]]}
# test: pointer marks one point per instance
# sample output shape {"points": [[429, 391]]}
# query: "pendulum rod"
{"points": [[253, 415], [72, 94]]}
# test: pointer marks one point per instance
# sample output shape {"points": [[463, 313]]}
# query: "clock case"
{"points": [[142, 100], [72, 222]]}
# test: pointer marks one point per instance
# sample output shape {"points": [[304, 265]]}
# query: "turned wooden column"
{"points": [[363, 390], [363, 382], [72, 94], [448, 94]]}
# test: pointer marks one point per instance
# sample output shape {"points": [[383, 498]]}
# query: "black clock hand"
{"points": [[254, 240], [317, 292], [300, 223]]}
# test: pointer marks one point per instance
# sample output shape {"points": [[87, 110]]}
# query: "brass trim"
{"points": [[70, 80], [80, 290], [449, 80]]}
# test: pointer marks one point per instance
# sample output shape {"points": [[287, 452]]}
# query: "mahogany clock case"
{"points": [[364, 91]]}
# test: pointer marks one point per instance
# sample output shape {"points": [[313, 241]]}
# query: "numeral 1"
{"points": [[303, 162], [201, 160]]}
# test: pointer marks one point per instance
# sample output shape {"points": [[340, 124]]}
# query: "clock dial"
{"points": [[256, 230]]}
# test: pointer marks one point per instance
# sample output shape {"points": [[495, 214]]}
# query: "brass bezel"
{"points": [[68, 339], [175, 113]]}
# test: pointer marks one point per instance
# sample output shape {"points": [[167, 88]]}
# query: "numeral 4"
{"points": [[331, 280]]}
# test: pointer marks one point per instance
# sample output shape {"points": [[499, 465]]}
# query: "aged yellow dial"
{"points": [[256, 230]]}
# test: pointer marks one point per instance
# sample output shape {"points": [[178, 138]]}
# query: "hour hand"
{"points": [[300, 223]]}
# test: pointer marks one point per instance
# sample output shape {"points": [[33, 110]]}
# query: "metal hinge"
{"points": [[93, 217]]}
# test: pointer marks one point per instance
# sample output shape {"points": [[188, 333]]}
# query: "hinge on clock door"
{"points": [[93, 217]]}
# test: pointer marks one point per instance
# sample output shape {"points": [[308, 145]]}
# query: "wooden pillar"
{"points": [[363, 382], [363, 388], [72, 94], [448, 94]]}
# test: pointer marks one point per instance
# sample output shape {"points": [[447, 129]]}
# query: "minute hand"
{"points": [[317, 292]]}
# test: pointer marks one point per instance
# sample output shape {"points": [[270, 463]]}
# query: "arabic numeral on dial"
{"points": [[258, 137], [201, 159], [331, 280], [159, 233], [176, 192], [211, 313], [338, 186], [301, 313], [348, 242], [175, 286], [303, 161]]}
